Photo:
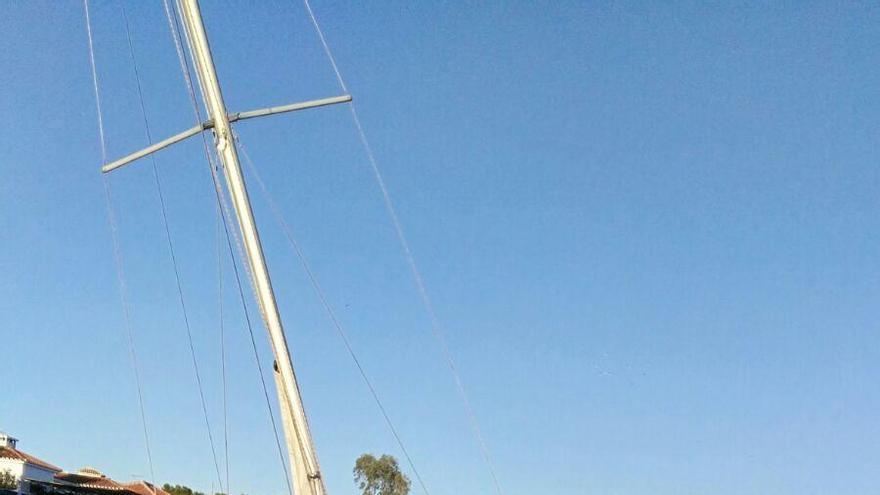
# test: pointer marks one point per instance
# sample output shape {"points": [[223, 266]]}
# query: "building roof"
{"points": [[144, 488], [13, 453], [85, 480], [91, 478], [88, 477]]}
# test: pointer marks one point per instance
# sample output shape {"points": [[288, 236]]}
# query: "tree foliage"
{"points": [[180, 490], [380, 476], [8, 481]]}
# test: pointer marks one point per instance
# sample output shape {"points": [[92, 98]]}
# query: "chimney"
{"points": [[7, 440]]}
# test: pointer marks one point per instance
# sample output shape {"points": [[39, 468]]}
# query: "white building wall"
{"points": [[26, 471], [21, 469]]}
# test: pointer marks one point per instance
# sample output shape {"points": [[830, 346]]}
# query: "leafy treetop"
{"points": [[8, 480], [380, 476], [180, 490]]}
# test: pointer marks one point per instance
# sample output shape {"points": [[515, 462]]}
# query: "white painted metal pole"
{"points": [[302, 453], [153, 148], [260, 112], [293, 107]]}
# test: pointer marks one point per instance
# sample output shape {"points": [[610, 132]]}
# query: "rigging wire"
{"points": [[410, 258], [252, 338], [222, 350], [331, 314], [171, 14], [117, 251], [171, 251]]}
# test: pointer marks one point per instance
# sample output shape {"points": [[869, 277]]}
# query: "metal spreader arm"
{"points": [[209, 124]]}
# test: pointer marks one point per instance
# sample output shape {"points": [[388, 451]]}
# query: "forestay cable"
{"points": [[171, 251], [117, 251], [319, 292], [404, 244]]}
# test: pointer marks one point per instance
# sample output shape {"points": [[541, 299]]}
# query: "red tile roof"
{"points": [[96, 480], [144, 488], [11, 453], [89, 478]]}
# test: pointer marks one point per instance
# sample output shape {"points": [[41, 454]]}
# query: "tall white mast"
{"points": [[300, 448]]}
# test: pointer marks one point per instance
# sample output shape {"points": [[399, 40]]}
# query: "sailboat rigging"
{"points": [[301, 450], [306, 476]]}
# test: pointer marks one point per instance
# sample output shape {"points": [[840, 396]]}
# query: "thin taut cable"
{"points": [[222, 348], [221, 199], [117, 250], [410, 259], [165, 223], [331, 314]]}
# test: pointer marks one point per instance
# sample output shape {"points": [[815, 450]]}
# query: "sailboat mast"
{"points": [[301, 450]]}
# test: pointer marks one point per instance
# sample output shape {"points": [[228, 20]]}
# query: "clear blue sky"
{"points": [[650, 231]]}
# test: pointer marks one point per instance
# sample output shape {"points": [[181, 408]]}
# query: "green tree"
{"points": [[8, 481], [380, 476], [180, 490]]}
